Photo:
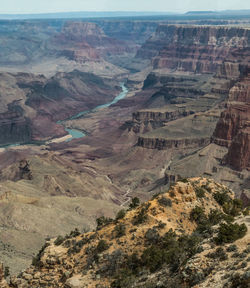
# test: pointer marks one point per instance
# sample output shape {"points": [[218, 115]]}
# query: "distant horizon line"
{"points": [[121, 11]]}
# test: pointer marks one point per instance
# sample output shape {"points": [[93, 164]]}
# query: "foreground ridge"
{"points": [[181, 238]]}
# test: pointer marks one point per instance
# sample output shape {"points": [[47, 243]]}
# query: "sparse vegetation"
{"points": [[200, 192], [141, 217], [219, 254], [135, 202], [120, 215], [103, 221], [229, 232], [36, 261], [59, 240], [120, 230], [6, 271], [102, 246], [166, 202]]}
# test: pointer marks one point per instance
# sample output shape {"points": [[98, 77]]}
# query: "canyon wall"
{"points": [[14, 128], [233, 128], [199, 49], [163, 144]]}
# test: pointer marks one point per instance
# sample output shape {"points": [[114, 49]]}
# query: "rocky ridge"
{"points": [[123, 252]]}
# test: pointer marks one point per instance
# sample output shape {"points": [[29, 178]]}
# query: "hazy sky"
{"points": [[38, 6]]}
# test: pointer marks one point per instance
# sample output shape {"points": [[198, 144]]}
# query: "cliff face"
{"points": [[132, 31], [144, 121], [14, 128], [233, 128], [163, 144], [199, 49], [82, 41]]}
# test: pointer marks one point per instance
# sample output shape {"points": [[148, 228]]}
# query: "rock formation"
{"points": [[198, 49], [233, 128], [150, 243]]}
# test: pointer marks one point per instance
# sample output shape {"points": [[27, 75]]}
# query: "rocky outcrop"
{"points": [[155, 238], [14, 128], [233, 128], [157, 116], [162, 144], [144, 121], [3, 282], [199, 49]]}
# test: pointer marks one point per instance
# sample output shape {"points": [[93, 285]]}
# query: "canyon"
{"points": [[185, 114]]}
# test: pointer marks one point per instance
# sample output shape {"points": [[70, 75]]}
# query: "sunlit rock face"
{"points": [[233, 128], [199, 49]]}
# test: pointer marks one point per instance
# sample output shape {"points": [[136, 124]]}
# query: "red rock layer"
{"points": [[200, 49], [83, 41], [233, 128]]}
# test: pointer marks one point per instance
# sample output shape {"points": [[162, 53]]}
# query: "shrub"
{"points": [[36, 261], [229, 232], [197, 214], [240, 281], [163, 201], [200, 192], [6, 271], [103, 221], [232, 248], [246, 211], [233, 207], [75, 233], [120, 230], [161, 225], [219, 253], [215, 216], [135, 202], [184, 180], [59, 240], [123, 279], [120, 215], [152, 235], [102, 246], [141, 217], [221, 198]]}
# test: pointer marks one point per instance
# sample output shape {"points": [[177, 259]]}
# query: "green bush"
{"points": [[197, 214], [200, 192], [123, 279], [101, 246], [166, 202], [233, 207], [36, 261], [120, 215], [59, 240], [6, 271], [103, 221], [229, 232], [184, 180], [120, 230], [219, 253], [222, 198], [74, 233], [135, 202], [240, 281], [141, 217]]}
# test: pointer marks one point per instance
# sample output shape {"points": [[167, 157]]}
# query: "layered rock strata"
{"points": [[199, 49], [233, 128]]}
